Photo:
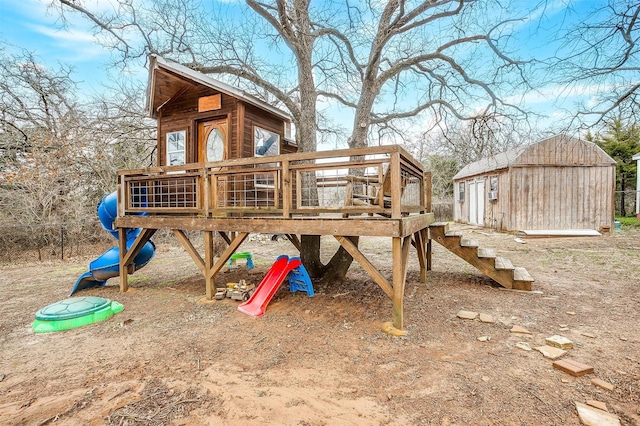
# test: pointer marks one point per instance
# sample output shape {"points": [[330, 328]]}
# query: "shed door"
{"points": [[476, 202], [480, 201], [473, 203]]}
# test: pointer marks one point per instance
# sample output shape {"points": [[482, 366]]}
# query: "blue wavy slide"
{"points": [[108, 264]]}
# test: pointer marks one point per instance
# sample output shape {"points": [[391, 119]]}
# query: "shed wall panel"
{"points": [[561, 197]]}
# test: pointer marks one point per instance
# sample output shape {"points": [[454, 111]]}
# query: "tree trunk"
{"points": [[335, 269]]}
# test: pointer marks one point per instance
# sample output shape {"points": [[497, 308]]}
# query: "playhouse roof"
{"points": [[166, 78], [567, 150]]}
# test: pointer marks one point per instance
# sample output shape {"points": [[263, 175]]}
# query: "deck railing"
{"points": [[379, 180]]}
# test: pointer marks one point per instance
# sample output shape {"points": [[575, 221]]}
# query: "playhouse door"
{"points": [[212, 140], [212, 146]]}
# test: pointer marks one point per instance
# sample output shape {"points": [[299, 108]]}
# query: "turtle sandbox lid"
{"points": [[74, 312]]}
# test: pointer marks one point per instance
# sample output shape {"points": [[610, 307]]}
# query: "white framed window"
{"points": [[176, 148], [265, 144], [461, 192]]}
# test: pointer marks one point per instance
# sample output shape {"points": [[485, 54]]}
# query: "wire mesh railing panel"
{"points": [[244, 190], [411, 189], [165, 193]]}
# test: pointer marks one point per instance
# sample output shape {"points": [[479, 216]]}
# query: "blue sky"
{"points": [[30, 25]]}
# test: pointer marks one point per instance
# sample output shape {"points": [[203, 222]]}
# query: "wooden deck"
{"points": [[379, 191]]}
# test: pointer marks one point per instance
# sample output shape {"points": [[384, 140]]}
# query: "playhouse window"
{"points": [[265, 144], [461, 192], [176, 148]]}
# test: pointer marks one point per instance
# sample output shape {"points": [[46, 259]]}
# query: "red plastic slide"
{"points": [[257, 303]]}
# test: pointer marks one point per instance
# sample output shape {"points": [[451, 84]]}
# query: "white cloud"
{"points": [[74, 44]]}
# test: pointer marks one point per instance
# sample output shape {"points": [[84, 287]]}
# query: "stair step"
{"points": [[486, 252], [453, 234], [521, 274], [439, 225], [504, 263], [468, 242]]}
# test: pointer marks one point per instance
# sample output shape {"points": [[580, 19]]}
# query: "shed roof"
{"points": [[487, 164], [566, 150], [636, 157], [166, 78]]}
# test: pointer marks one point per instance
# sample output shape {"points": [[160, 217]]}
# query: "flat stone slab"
{"points": [[484, 338], [467, 315], [559, 342], [550, 352], [519, 330], [591, 416], [573, 367], [597, 404], [602, 384], [487, 318], [523, 345]]}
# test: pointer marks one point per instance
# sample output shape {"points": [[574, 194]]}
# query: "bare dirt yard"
{"points": [[169, 359]]}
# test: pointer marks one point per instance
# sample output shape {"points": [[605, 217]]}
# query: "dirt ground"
{"points": [[168, 359]]}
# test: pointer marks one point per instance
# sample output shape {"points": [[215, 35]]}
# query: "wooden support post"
{"points": [[420, 250], [186, 243], [396, 186], [122, 244], [366, 265], [207, 192], [286, 189], [427, 191], [400, 255], [208, 264], [429, 265]]}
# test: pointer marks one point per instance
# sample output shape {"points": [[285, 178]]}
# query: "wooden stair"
{"points": [[500, 269]]}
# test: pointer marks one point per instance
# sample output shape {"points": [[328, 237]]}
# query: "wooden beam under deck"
{"points": [[364, 226]]}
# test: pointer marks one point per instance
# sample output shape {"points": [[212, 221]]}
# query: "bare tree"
{"points": [[601, 57], [387, 62], [58, 155]]}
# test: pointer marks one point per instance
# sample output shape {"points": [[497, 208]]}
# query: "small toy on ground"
{"points": [[74, 312], [221, 293], [240, 291], [241, 255], [236, 291]]}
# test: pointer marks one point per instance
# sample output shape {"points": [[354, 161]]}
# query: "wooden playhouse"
{"points": [[227, 166]]}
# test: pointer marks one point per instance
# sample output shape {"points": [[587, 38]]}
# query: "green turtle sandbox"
{"points": [[74, 312]]}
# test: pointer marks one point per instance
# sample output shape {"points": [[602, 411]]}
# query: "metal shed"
{"points": [[558, 183]]}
